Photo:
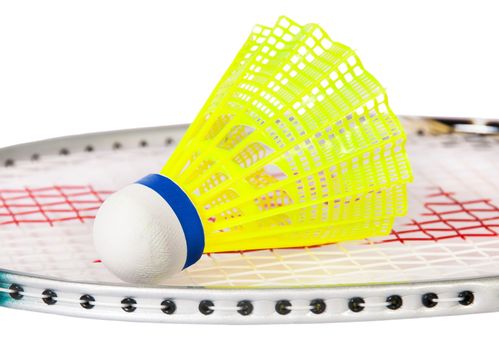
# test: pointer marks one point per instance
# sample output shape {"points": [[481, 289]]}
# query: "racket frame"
{"points": [[336, 303]]}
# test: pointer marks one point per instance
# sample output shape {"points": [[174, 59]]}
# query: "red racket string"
{"points": [[49, 205], [448, 217]]}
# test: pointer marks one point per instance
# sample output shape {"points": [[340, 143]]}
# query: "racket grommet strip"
{"points": [[282, 307], [49, 297], [245, 307], [356, 304], [86, 301], [128, 304], [429, 300], [168, 306], [467, 297], [16, 291], [317, 306], [206, 307], [394, 302]]}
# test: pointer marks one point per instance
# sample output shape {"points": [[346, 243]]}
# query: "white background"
{"points": [[69, 67]]}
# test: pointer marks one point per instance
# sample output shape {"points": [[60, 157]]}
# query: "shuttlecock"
{"points": [[295, 147]]}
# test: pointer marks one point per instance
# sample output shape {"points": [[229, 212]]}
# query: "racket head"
{"points": [[50, 191]]}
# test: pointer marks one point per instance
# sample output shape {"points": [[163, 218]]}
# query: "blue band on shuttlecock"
{"points": [[184, 209]]}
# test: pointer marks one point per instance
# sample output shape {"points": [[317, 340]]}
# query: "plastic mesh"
{"points": [[302, 136]]}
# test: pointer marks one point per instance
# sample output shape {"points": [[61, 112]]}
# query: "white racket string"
{"points": [[6, 290], [225, 308], [447, 300], [373, 304]]}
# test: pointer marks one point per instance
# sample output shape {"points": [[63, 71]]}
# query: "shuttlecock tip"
{"points": [[138, 236]]}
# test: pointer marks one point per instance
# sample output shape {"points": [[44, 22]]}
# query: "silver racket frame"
{"points": [[235, 305]]}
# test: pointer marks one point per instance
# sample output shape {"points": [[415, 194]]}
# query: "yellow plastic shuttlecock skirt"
{"points": [[296, 146]]}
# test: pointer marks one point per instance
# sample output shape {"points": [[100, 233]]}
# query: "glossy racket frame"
{"points": [[229, 305]]}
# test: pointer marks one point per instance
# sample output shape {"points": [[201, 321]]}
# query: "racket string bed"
{"points": [[471, 247]]}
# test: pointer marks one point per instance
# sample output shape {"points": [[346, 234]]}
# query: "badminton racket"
{"points": [[442, 258]]}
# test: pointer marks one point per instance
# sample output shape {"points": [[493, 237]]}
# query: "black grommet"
{"points": [[205, 307], [86, 301], [317, 306], [169, 141], [467, 298], [143, 143], [429, 299], [168, 306], [17, 290], [64, 152], [394, 302], [354, 304], [420, 132], [35, 157], [9, 162], [117, 145], [89, 148], [282, 307], [129, 304], [49, 297], [245, 307]]}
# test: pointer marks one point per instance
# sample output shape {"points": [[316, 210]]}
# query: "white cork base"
{"points": [[138, 236]]}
